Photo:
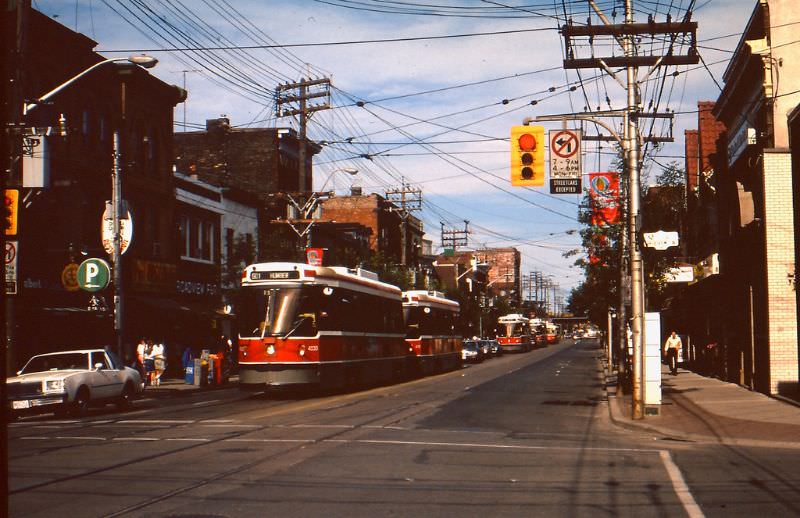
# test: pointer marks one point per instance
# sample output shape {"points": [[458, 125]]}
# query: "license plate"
{"points": [[18, 405]]}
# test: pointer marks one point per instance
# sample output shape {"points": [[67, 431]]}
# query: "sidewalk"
{"points": [[175, 386], [698, 408]]}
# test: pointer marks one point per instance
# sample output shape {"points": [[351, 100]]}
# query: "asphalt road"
{"points": [[520, 435]]}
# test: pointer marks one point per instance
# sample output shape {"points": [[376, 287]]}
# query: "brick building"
{"points": [[383, 219], [261, 161], [756, 215], [69, 175]]}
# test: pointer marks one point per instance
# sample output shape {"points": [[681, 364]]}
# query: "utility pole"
{"points": [[409, 199], [184, 72], [625, 35], [292, 99], [455, 238]]}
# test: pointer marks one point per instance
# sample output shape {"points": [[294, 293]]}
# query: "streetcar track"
{"points": [[364, 397], [322, 440]]}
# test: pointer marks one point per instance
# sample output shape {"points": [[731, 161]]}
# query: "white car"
{"points": [[70, 381]]}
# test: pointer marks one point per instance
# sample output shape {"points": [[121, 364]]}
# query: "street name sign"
{"points": [[565, 161], [93, 274]]}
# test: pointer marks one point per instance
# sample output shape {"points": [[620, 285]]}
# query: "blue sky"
{"points": [[446, 92]]}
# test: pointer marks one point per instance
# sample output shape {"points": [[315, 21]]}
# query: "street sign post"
{"points": [[93, 274], [565, 161]]}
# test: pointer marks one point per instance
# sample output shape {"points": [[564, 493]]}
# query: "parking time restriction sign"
{"points": [[565, 161]]}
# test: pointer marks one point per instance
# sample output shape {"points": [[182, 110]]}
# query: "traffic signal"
{"points": [[527, 156], [11, 211]]}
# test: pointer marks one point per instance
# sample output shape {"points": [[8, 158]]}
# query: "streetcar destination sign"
{"points": [[274, 276]]}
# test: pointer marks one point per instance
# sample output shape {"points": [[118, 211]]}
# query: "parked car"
{"points": [[71, 381], [495, 347], [471, 351], [486, 348]]}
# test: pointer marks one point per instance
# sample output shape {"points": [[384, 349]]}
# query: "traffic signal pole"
{"points": [[625, 35]]}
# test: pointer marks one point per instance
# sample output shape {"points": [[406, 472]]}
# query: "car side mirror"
{"points": [[98, 366]]}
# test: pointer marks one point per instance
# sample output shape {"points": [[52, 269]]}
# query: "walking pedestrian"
{"points": [[159, 362], [671, 348]]}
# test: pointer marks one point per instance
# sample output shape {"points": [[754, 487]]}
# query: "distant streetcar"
{"points": [[514, 333], [430, 320], [320, 326]]}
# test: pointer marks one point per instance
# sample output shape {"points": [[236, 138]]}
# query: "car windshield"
{"points": [[470, 346], [56, 362]]}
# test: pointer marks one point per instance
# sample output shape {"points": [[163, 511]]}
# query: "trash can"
{"points": [[197, 372]]}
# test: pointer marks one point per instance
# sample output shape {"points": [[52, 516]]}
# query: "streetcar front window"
{"points": [[277, 312]]}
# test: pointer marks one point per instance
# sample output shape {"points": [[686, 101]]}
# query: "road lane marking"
{"points": [[188, 439], [497, 446], [79, 438], [337, 426], [269, 440], [680, 487], [218, 421], [136, 439], [206, 402], [34, 438], [230, 425], [157, 421]]}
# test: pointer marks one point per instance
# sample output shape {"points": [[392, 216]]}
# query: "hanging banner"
{"points": [[604, 195]]}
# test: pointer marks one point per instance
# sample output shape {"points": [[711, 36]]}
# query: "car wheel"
{"points": [[81, 403], [126, 397]]}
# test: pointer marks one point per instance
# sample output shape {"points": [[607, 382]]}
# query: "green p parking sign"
{"points": [[93, 274]]}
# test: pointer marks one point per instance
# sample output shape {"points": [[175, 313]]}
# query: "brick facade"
{"points": [[780, 257]]}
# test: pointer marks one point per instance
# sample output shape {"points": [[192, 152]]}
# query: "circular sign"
{"points": [[564, 144], [69, 277], [11, 252], [93, 274]]}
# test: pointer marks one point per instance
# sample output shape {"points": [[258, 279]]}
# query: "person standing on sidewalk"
{"points": [[671, 348]]}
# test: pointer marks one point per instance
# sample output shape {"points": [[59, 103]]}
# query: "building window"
{"points": [[198, 238]]}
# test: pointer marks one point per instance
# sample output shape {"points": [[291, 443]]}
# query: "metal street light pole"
{"points": [[116, 180]]}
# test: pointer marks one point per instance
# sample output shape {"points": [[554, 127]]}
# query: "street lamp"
{"points": [[352, 171], [143, 61]]}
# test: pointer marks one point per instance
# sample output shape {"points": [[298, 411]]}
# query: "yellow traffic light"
{"points": [[12, 208], [527, 156]]}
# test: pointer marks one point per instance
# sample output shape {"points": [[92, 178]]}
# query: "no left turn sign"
{"points": [[564, 143]]}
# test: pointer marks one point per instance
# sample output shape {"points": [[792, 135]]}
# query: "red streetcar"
{"points": [[430, 320], [514, 333], [323, 326]]}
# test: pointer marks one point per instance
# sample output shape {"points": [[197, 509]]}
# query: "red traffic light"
{"points": [[527, 142]]}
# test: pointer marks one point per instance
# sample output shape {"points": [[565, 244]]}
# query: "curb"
{"points": [[676, 435]]}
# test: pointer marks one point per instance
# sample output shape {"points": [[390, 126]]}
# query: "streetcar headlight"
{"points": [[302, 350], [270, 349]]}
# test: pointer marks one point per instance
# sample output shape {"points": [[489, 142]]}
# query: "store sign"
{"points": [[196, 288], [660, 240], [152, 276], [125, 230], [679, 273], [739, 141]]}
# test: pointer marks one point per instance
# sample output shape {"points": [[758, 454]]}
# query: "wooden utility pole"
{"points": [[407, 199], [292, 99], [455, 238]]}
